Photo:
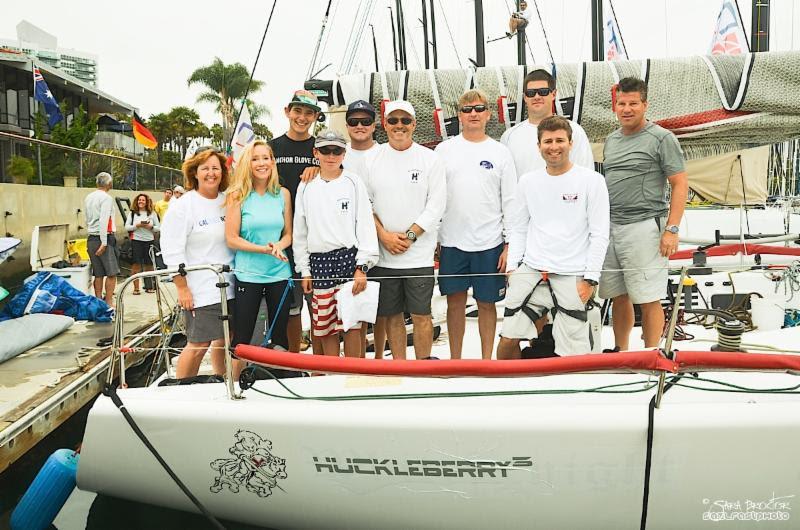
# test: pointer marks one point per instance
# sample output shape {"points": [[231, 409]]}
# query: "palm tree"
{"points": [[226, 86], [161, 128], [185, 124]]}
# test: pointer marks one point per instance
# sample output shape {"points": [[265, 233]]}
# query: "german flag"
{"points": [[142, 133]]}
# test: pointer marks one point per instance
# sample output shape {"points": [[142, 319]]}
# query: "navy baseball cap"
{"points": [[360, 106]]}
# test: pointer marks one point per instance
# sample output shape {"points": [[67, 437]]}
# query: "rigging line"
{"points": [[619, 29], [449, 32], [255, 64], [413, 46], [336, 5], [349, 40], [544, 32], [314, 57], [366, 16]]}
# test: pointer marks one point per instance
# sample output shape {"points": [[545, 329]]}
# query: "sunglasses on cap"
{"points": [[203, 148], [355, 122], [466, 109], [530, 92], [404, 120], [330, 150]]}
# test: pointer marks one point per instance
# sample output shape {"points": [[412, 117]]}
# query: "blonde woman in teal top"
{"points": [[258, 226]]}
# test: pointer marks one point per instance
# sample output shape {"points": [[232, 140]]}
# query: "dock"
{"points": [[43, 387]]}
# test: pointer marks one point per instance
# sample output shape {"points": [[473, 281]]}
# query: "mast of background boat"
{"points": [[433, 38], [374, 47], [394, 38], [319, 41], [401, 35], [480, 47], [425, 35], [598, 42], [759, 29], [521, 59]]}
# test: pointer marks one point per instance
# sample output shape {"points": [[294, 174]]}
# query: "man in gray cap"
{"points": [[406, 184], [101, 244]]}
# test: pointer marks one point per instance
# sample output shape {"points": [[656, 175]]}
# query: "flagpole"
{"points": [[35, 116]]}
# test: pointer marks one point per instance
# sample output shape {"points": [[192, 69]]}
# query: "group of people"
{"points": [[527, 220]]}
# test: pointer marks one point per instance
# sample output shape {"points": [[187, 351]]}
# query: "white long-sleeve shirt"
{"points": [[99, 208], [481, 181], [523, 141], [141, 233], [332, 214], [193, 233], [406, 187], [561, 223]]}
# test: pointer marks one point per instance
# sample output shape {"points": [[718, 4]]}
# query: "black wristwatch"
{"points": [[593, 283], [364, 268], [411, 235]]}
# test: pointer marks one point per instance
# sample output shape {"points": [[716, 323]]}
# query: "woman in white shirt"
{"points": [[142, 224], [193, 233]]}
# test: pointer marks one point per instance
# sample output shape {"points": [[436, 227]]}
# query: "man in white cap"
{"points": [[406, 184], [177, 192]]}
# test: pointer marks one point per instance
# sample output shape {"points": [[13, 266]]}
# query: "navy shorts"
{"points": [[453, 261]]}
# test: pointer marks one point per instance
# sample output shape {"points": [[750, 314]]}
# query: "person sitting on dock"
{"points": [[559, 235], [481, 181], [193, 233], [258, 226], [334, 240], [406, 184], [640, 159], [142, 225], [101, 243]]}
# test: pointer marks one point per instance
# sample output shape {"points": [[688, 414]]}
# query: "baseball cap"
{"points": [[360, 106], [399, 104], [330, 137], [305, 98], [179, 189]]}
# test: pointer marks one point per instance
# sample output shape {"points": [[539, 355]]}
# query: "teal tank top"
{"points": [[262, 223]]}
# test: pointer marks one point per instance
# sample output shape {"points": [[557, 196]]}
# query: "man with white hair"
{"points": [[406, 184], [101, 244]]}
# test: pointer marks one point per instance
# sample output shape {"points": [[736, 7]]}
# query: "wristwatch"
{"points": [[411, 235], [672, 229], [593, 283], [364, 268]]}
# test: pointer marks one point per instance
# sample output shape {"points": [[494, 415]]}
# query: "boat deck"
{"points": [[44, 386]]}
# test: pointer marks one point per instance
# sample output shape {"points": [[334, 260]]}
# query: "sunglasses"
{"points": [[477, 108], [405, 121], [355, 122], [330, 150], [530, 92]]}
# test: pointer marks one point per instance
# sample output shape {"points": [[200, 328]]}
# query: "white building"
{"points": [[42, 46]]}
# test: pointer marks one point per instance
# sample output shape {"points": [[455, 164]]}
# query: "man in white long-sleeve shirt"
{"points": [[522, 139], [559, 236], [480, 190], [102, 244], [406, 184]]}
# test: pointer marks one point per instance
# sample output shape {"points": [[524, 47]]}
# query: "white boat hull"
{"points": [[520, 461]]}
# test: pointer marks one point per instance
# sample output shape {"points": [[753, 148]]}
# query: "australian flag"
{"points": [[43, 95]]}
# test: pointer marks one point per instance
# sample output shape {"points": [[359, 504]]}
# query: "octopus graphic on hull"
{"points": [[252, 466]]}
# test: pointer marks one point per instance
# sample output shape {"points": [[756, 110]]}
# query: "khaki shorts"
{"points": [[635, 249], [571, 335]]}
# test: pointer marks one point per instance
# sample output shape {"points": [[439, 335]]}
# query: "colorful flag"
{"points": [[614, 48], [729, 37], [42, 94], [142, 133], [192, 149], [243, 134]]}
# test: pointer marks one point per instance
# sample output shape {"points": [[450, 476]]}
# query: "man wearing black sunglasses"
{"points": [[360, 120], [406, 184], [540, 96], [481, 180]]}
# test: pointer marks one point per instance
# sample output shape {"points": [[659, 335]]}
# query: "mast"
{"points": [[375, 48], [394, 37], [598, 41], [521, 59], [425, 35], [759, 29], [480, 44], [401, 35], [433, 37]]}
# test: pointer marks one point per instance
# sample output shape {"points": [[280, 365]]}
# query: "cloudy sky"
{"points": [[148, 50]]}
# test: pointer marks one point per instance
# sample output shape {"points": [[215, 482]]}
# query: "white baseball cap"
{"points": [[399, 104]]}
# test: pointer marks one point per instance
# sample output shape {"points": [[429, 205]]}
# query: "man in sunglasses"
{"points": [[360, 120], [640, 159], [540, 96], [293, 154], [481, 180], [406, 184]]}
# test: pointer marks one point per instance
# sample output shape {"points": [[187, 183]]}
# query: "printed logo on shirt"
{"points": [[569, 197], [344, 206], [211, 221], [485, 164], [414, 175]]}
